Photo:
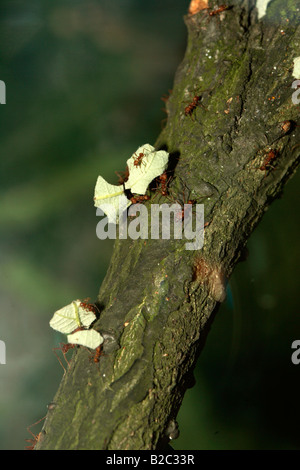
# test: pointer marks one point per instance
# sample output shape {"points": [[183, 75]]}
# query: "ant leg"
{"points": [[295, 146], [58, 358], [35, 437], [64, 349], [65, 357]]}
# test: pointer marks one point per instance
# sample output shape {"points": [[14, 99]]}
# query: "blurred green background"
{"points": [[84, 81]]}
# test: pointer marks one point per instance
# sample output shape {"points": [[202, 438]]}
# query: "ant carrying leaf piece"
{"points": [[110, 198], [89, 338], [71, 317], [145, 165]]}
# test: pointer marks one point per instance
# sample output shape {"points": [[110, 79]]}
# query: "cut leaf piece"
{"points": [[145, 165], [111, 199], [71, 317], [89, 338], [296, 69]]}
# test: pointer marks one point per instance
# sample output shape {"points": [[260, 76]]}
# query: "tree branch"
{"points": [[158, 299]]}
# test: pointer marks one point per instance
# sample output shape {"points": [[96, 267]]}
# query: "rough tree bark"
{"points": [[166, 295]]}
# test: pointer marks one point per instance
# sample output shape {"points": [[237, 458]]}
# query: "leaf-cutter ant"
{"points": [[184, 201], [98, 353], [86, 305], [162, 182], [139, 198], [123, 176], [270, 156], [138, 159], [64, 348], [190, 108], [218, 10]]}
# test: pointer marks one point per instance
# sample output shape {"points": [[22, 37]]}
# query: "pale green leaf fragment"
{"points": [[261, 6], [296, 69], [89, 338], [145, 165], [71, 317], [110, 199]]}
